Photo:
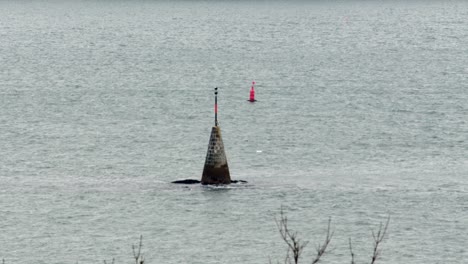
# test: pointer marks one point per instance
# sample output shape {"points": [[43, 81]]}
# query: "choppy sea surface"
{"points": [[362, 114]]}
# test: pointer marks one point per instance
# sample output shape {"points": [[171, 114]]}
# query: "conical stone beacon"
{"points": [[216, 170]]}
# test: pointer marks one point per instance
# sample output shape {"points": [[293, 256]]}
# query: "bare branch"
{"points": [[378, 238], [352, 253], [113, 260], [321, 249], [137, 255], [269, 261], [287, 259], [295, 245]]}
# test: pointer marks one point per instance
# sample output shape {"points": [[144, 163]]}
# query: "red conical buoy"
{"points": [[252, 93]]}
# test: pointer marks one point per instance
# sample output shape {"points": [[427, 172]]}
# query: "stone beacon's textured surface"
{"points": [[216, 170]]}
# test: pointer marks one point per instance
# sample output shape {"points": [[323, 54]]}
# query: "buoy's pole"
{"points": [[216, 106]]}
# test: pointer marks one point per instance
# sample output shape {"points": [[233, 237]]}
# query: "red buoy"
{"points": [[252, 93]]}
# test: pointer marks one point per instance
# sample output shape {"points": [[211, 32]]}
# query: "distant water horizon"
{"points": [[361, 114]]}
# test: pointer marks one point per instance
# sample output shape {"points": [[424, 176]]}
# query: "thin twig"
{"points": [[138, 257], [321, 249], [352, 253], [113, 260], [295, 245], [378, 238]]}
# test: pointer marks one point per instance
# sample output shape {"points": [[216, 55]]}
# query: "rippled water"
{"points": [[362, 113]]}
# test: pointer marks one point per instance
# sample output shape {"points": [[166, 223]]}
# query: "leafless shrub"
{"points": [[378, 238], [136, 253], [295, 245]]}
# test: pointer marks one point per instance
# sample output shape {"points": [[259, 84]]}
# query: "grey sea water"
{"points": [[361, 114]]}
